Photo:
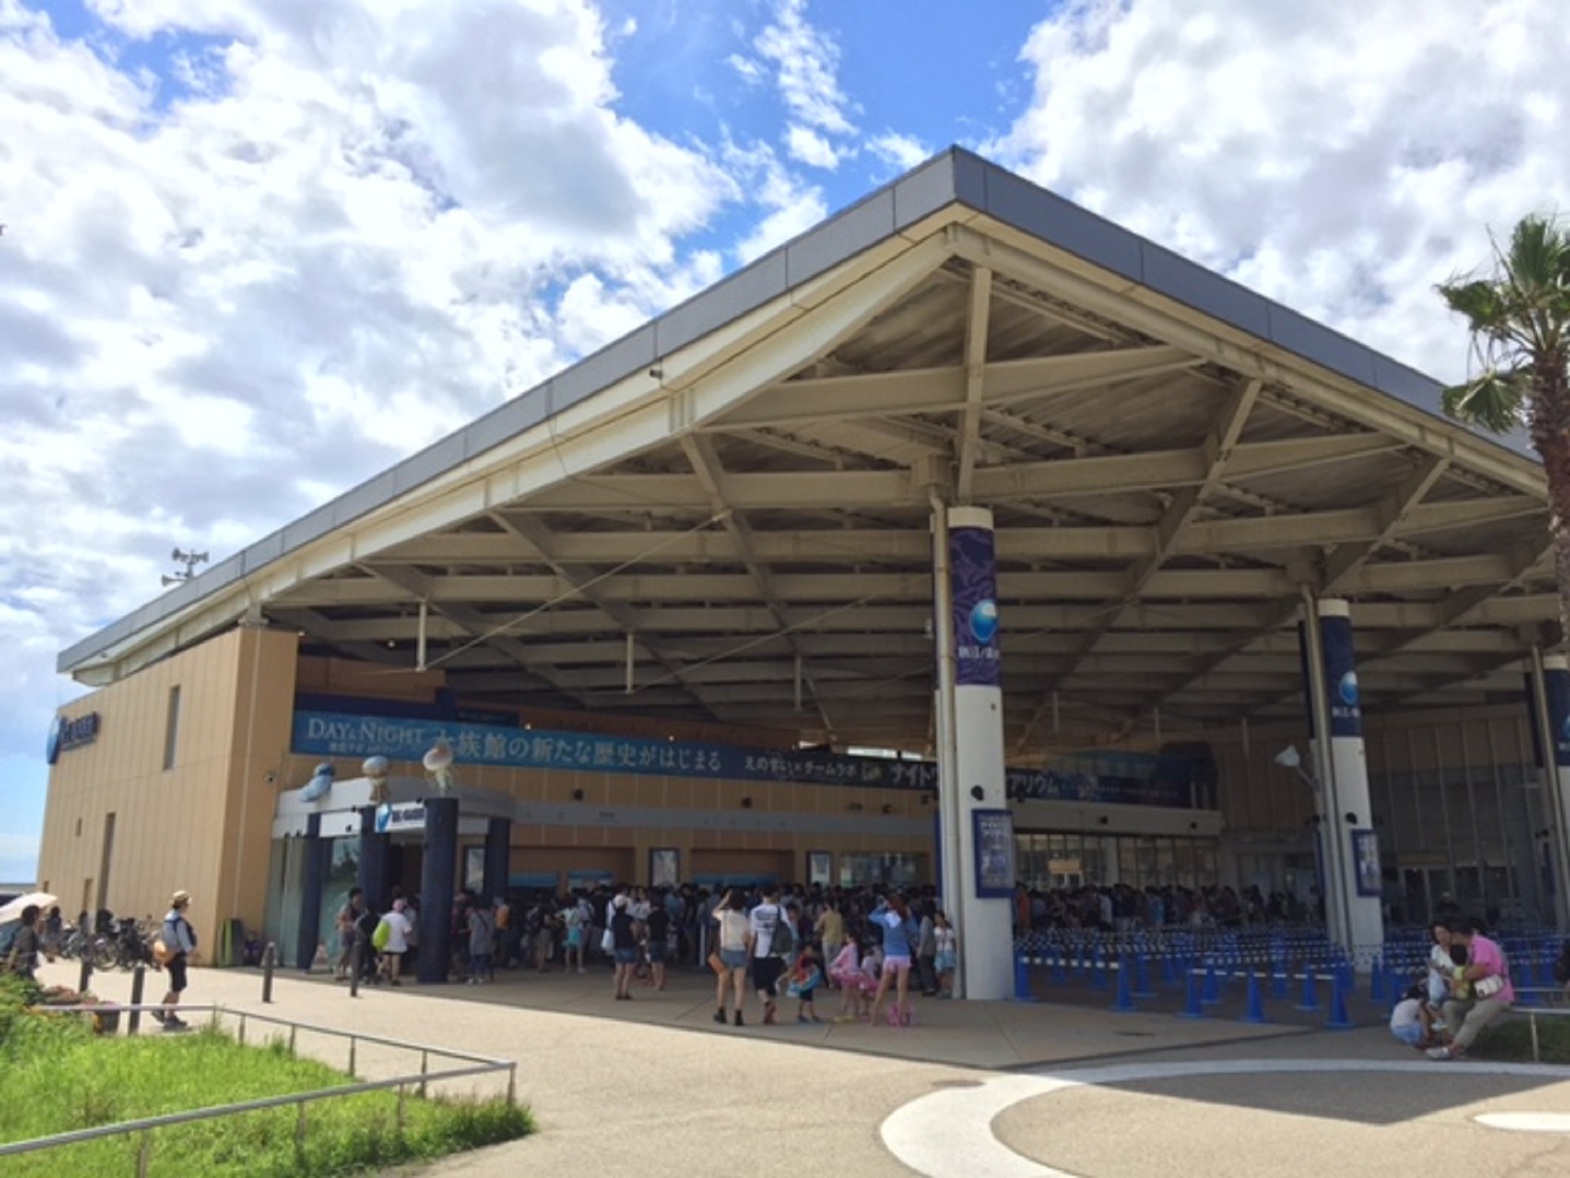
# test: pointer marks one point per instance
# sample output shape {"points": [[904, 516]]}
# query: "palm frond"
{"points": [[1495, 400]]}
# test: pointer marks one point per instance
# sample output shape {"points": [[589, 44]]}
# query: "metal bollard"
{"points": [[138, 980], [86, 978], [354, 969], [269, 961]]}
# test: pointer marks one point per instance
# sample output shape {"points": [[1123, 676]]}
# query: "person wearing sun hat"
{"points": [[181, 938]]}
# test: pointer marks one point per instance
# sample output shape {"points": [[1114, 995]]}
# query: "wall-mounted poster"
{"points": [[1365, 857], [664, 867], [993, 834], [474, 869], [819, 868]]}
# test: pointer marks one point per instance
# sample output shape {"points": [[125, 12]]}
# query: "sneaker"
{"points": [[1441, 1053], [816, 1019], [158, 1014], [801, 1018], [739, 1021], [719, 1016], [1438, 1025]]}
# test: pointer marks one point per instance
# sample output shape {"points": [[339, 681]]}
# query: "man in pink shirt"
{"points": [[1481, 989]]}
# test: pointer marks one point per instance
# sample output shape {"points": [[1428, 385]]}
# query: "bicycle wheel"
{"points": [[101, 953]]}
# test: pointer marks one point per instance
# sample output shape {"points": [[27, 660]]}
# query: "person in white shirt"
{"points": [[1409, 1019], [398, 931], [767, 966]]}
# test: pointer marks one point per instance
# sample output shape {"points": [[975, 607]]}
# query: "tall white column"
{"points": [[974, 807], [1354, 882]]}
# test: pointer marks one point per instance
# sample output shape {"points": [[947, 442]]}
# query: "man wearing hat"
{"points": [[180, 937]]}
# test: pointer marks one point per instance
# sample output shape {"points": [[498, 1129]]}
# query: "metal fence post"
{"points": [[352, 1045], [269, 961], [144, 1154], [138, 980], [354, 969], [425, 1066], [86, 977]]}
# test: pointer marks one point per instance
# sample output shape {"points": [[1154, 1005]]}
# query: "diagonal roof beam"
{"points": [[1219, 447], [477, 625], [976, 326], [1347, 559], [710, 470], [583, 584]]}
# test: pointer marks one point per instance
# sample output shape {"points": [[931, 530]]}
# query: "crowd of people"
{"points": [[874, 947], [1123, 908]]}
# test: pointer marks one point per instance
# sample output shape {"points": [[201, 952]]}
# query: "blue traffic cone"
{"points": [[1124, 1002], [1256, 1001], [1142, 977], [1022, 979], [1309, 1000], [1193, 1008], [1098, 975], [1339, 1019]]}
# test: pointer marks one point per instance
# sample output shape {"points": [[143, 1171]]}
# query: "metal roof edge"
{"points": [[953, 176]]}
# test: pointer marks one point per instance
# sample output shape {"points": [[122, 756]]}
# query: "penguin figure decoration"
{"points": [[318, 786]]}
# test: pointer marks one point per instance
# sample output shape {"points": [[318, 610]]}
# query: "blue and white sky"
{"points": [[257, 250]]}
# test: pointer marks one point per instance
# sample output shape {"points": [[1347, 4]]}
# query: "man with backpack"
{"points": [[769, 942], [179, 938]]}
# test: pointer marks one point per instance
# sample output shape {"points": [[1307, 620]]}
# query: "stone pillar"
{"points": [[1549, 694], [1354, 882], [372, 874], [314, 884], [977, 825], [439, 872], [498, 857]]}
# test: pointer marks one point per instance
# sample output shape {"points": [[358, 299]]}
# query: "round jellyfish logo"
{"points": [[984, 620], [1348, 689]]}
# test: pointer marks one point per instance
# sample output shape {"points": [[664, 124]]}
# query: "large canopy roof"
{"points": [[726, 515]]}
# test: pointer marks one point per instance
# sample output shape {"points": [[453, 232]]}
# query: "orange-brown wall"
{"points": [[203, 824]]}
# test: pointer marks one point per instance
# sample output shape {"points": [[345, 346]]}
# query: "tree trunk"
{"points": [[1550, 424]]}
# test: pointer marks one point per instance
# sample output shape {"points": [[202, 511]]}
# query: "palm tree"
{"points": [[1520, 322]]}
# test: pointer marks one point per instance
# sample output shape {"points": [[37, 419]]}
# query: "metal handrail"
{"points": [[480, 1065]]}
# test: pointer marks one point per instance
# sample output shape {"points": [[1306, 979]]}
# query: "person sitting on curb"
{"points": [[1481, 990]]}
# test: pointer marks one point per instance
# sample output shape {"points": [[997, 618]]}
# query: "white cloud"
{"points": [[807, 146], [1341, 157], [220, 304], [793, 206], [903, 151]]}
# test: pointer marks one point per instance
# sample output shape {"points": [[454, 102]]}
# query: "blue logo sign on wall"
{"points": [[69, 734], [383, 817], [1348, 689], [984, 620]]}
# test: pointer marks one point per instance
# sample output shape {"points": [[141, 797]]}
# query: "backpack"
{"points": [[166, 944], [783, 941]]}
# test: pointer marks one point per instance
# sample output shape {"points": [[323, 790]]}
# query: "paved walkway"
{"points": [[654, 1086]]}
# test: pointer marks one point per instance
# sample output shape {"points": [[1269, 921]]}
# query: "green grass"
{"points": [[56, 1076], [1510, 1039]]}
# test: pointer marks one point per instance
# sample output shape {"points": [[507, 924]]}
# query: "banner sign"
{"points": [[1166, 782], [1346, 713], [1556, 684], [973, 577], [993, 831]]}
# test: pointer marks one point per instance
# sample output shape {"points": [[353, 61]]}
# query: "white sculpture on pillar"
{"points": [[438, 764], [375, 770]]}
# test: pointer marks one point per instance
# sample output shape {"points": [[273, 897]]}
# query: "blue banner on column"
{"points": [[1346, 713], [973, 576], [1557, 685]]}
